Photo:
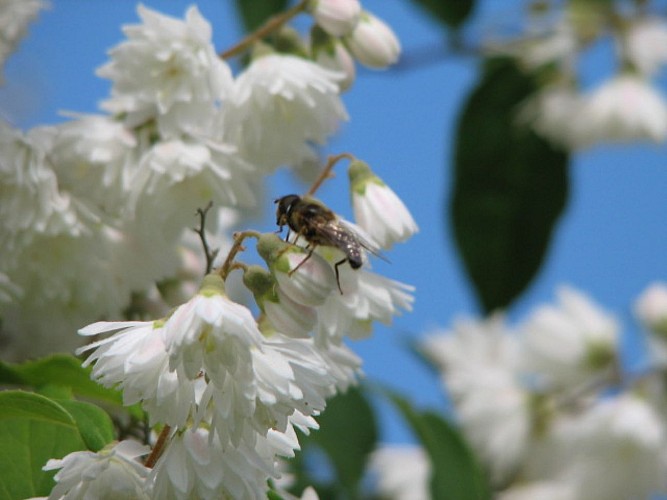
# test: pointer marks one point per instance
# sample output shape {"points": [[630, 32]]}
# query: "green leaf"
{"points": [[57, 370], [254, 13], [93, 423], [510, 187], [451, 12], [455, 472], [347, 435], [33, 429]]}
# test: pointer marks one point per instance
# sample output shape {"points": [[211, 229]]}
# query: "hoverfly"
{"points": [[319, 225]]}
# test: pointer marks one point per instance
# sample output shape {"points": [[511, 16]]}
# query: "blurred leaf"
{"points": [[347, 435], [93, 423], [57, 370], [451, 12], [254, 13], [455, 473], [33, 429], [510, 187]]}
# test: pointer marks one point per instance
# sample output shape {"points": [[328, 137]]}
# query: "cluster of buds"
{"points": [[344, 32]]}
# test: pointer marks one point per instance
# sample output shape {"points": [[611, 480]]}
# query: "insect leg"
{"points": [[302, 262], [343, 261]]}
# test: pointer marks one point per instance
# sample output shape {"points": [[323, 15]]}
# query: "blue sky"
{"points": [[611, 242]]}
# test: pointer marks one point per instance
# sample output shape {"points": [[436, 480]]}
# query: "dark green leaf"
{"points": [[510, 187], [94, 424], [451, 12], [57, 370], [347, 435], [455, 472], [254, 13], [33, 429]]}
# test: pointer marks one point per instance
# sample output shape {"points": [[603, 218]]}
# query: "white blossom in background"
{"points": [[480, 368], [402, 472], [377, 209], [15, 15], [336, 17], [174, 178], [373, 43], [616, 451], [551, 112], [566, 344], [91, 156], [651, 310], [165, 64], [557, 45], [113, 472], [644, 44], [541, 490], [625, 108], [280, 106]]}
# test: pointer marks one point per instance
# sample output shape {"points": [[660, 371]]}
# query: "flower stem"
{"points": [[201, 231], [237, 247], [267, 28], [326, 173], [158, 448]]}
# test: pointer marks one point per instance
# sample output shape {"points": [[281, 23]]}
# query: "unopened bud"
{"points": [[336, 17], [651, 309], [373, 43], [330, 53]]}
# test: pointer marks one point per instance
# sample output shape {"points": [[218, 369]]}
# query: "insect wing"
{"points": [[363, 238]]}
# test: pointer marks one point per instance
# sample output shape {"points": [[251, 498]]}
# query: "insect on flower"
{"points": [[319, 225]]}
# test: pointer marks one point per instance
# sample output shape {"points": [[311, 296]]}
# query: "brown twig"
{"points": [[201, 231], [326, 173], [266, 29], [158, 448], [237, 247]]}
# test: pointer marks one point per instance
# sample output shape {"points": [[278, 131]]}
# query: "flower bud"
{"points": [[284, 315], [373, 43], [377, 209], [331, 54], [336, 17], [651, 308], [305, 278]]}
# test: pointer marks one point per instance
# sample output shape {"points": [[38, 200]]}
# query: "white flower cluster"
{"points": [[626, 107], [535, 406], [94, 211], [15, 15]]}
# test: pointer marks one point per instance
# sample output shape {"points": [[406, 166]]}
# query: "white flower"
{"points": [[479, 361], [616, 451], [403, 472], [551, 112], [112, 472], [197, 464], [625, 108], [366, 297], [311, 281], [15, 15], [377, 209], [175, 177], [90, 156], [645, 44], [558, 44], [165, 63], [373, 43], [280, 106], [333, 56], [541, 490], [651, 310], [291, 375], [651, 307], [31, 201], [135, 359], [568, 343], [337, 17]]}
